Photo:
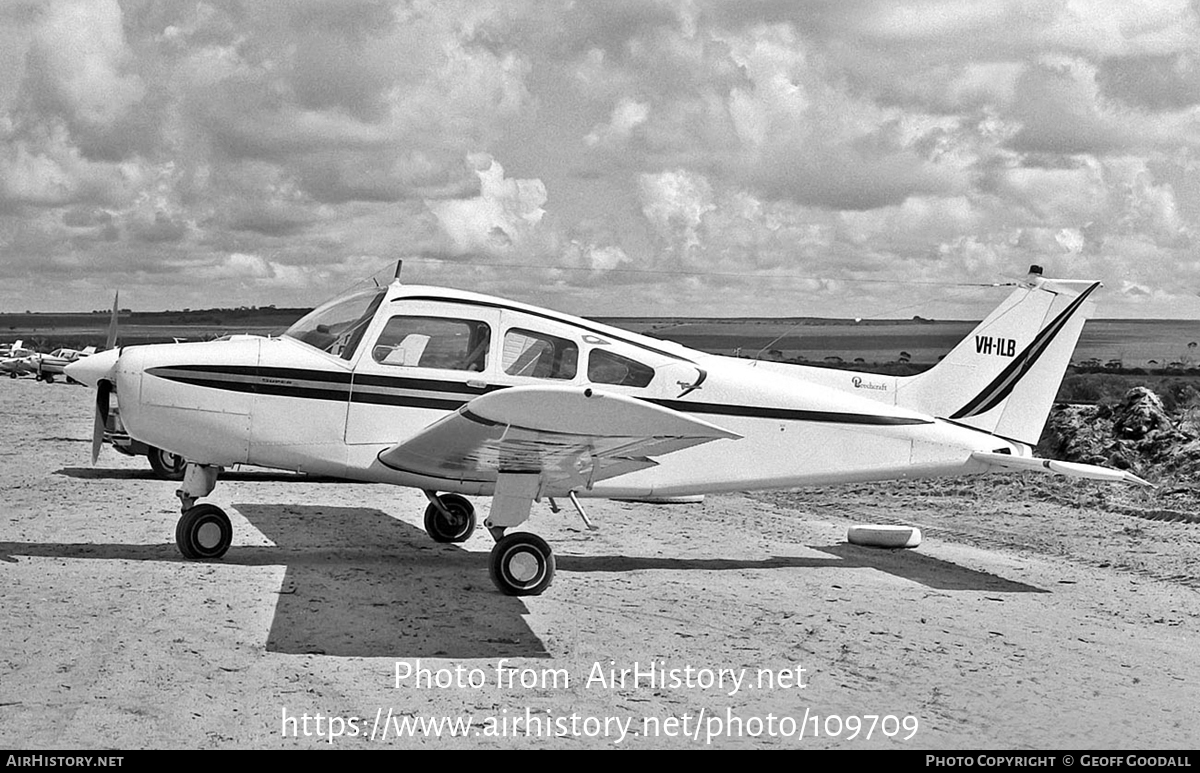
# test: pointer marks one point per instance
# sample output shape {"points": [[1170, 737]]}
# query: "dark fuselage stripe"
{"points": [[283, 382], [787, 414]]}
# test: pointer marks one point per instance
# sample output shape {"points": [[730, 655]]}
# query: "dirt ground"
{"points": [[1037, 614]]}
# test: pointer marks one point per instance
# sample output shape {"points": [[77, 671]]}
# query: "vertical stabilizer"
{"points": [[1003, 377]]}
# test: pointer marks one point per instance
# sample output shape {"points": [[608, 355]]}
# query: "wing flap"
{"points": [[1070, 469], [571, 436]]}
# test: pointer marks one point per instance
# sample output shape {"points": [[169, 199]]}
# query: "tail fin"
{"points": [[1003, 377]]}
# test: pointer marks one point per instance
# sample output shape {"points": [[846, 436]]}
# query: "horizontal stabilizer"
{"points": [[1070, 469], [570, 436]]}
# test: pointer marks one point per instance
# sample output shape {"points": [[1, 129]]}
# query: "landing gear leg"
{"points": [[521, 564], [203, 531], [198, 481], [496, 531]]}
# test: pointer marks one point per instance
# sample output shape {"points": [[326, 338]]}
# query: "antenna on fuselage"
{"points": [[399, 266]]}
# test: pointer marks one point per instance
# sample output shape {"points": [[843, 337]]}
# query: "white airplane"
{"points": [[461, 394], [46, 366], [12, 358]]}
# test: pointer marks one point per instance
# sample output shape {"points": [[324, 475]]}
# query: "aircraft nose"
{"points": [[92, 369]]}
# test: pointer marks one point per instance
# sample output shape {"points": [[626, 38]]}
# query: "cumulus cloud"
{"points": [[626, 116], [55, 173], [80, 65], [244, 267], [280, 145], [502, 220], [676, 203]]}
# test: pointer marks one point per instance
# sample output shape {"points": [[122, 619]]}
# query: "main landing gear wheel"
{"points": [[203, 532], [456, 524], [521, 564], [166, 465]]}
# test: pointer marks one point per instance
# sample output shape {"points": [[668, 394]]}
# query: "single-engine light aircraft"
{"points": [[13, 357], [45, 367], [461, 394]]}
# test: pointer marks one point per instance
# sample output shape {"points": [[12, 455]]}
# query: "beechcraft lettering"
{"points": [[1001, 347]]}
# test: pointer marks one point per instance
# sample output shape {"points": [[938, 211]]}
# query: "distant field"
{"points": [[49, 331], [1135, 343]]}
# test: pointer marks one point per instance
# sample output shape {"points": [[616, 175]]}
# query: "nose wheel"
{"points": [[521, 564], [203, 532]]}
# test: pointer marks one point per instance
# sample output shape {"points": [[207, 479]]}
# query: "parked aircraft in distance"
{"points": [[12, 357], [46, 366], [461, 394]]}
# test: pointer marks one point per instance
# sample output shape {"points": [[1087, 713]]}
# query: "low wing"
{"points": [[570, 436], [1071, 469]]}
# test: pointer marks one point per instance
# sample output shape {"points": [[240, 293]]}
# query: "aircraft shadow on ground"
{"points": [[245, 476], [926, 570], [362, 583], [358, 583]]}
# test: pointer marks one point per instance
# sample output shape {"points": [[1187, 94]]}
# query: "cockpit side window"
{"points": [[604, 367], [434, 342], [539, 355]]}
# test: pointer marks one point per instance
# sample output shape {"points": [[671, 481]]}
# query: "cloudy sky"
{"points": [[870, 158]]}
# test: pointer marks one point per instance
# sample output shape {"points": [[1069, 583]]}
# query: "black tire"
{"points": [[203, 532], [458, 527], [521, 564], [165, 464]]}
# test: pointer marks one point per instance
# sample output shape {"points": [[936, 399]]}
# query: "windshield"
{"points": [[338, 326]]}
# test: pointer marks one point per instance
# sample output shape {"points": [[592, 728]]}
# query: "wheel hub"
{"points": [[523, 566], [208, 536]]}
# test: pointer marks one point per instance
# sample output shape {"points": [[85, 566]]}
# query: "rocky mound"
{"points": [[1137, 434]]}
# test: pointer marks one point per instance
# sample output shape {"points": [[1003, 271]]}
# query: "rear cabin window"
{"points": [[604, 367], [434, 342], [539, 355]]}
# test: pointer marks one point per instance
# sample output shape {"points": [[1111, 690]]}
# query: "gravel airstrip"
{"points": [[1037, 614]]}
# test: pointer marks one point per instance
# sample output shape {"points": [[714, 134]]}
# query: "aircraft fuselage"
{"points": [[284, 403]]}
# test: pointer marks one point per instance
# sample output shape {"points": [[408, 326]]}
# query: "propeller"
{"points": [[112, 323], [103, 388], [97, 370]]}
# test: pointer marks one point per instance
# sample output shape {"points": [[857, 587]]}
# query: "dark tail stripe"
{"points": [[1002, 386]]}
